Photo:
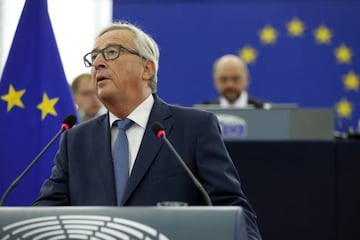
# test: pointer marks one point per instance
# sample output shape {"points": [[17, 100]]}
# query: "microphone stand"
{"points": [[196, 182]]}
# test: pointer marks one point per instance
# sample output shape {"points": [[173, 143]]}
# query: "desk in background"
{"points": [[285, 123]]}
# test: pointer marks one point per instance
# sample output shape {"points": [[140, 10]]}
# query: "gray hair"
{"points": [[146, 46]]}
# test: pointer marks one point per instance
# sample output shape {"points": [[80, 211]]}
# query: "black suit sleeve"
{"points": [[218, 174]]}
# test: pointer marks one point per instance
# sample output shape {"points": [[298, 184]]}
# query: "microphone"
{"points": [[159, 131], [68, 123]]}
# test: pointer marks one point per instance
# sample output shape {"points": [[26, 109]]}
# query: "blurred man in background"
{"points": [[88, 104], [231, 79]]}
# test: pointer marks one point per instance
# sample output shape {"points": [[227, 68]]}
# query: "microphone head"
{"points": [[68, 122], [158, 129]]}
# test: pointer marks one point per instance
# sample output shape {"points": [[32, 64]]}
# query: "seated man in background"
{"points": [[87, 103], [231, 79]]}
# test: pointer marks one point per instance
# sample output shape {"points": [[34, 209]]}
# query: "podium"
{"points": [[112, 223], [278, 123]]}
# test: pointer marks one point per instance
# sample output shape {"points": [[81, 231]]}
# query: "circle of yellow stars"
{"points": [[248, 54], [351, 81], [323, 35], [268, 35], [295, 28], [14, 99], [344, 108]]}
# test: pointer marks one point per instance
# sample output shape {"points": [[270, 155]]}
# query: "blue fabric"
{"points": [[34, 100], [121, 158], [291, 70]]}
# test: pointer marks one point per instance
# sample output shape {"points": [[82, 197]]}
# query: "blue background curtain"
{"points": [[316, 64]]}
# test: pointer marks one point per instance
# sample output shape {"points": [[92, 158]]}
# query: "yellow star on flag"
{"points": [[351, 81], [47, 106], [295, 28], [268, 35], [13, 98], [343, 54], [248, 54], [323, 35], [344, 108]]}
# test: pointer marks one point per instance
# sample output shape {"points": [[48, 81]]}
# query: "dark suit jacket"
{"points": [[251, 101], [83, 172]]}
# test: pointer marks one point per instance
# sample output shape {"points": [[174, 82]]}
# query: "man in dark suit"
{"points": [[231, 80], [124, 64]]}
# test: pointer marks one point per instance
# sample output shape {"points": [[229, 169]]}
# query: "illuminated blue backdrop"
{"points": [[300, 52]]}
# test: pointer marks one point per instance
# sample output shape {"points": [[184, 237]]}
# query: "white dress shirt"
{"points": [[241, 102], [135, 133]]}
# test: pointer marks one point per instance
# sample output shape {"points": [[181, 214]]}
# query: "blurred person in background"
{"points": [[84, 93], [231, 80]]}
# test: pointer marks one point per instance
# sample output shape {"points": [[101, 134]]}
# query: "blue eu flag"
{"points": [[35, 98]]}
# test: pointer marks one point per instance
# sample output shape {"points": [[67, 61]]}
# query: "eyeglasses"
{"points": [[110, 52]]}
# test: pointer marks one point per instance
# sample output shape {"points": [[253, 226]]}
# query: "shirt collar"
{"points": [[241, 102], [139, 115]]}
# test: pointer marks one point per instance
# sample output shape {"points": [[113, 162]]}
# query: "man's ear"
{"points": [[149, 69]]}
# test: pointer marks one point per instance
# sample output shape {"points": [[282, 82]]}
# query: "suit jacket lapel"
{"points": [[103, 158], [150, 145]]}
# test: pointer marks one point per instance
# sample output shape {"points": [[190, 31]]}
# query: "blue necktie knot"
{"points": [[124, 124]]}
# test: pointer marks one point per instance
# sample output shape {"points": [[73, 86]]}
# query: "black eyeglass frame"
{"points": [[102, 51]]}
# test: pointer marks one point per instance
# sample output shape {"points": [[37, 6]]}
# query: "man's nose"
{"points": [[99, 62], [229, 82]]}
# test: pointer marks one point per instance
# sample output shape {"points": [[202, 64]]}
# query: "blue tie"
{"points": [[121, 158]]}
